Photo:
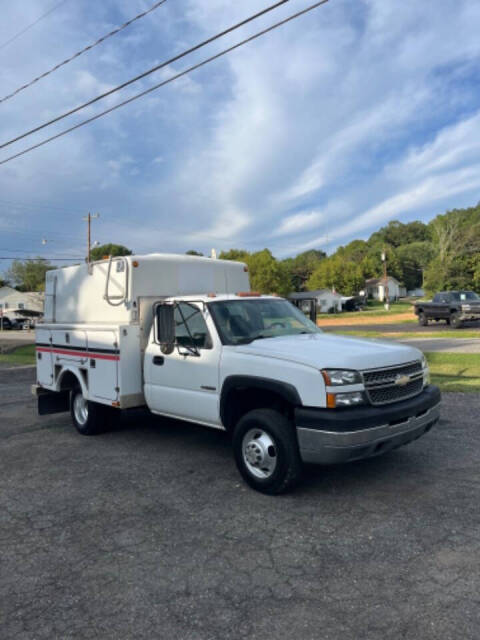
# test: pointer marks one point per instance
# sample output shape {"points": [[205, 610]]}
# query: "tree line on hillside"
{"points": [[441, 255]]}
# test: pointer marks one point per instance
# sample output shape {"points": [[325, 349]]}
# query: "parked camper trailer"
{"points": [[185, 337]]}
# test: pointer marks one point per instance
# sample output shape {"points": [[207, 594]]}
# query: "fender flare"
{"points": [[283, 389], [78, 376]]}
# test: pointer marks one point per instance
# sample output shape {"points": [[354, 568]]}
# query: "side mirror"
{"points": [[166, 327]]}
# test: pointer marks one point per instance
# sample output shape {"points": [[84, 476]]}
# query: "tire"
{"points": [[89, 418], [455, 321], [422, 319], [265, 436]]}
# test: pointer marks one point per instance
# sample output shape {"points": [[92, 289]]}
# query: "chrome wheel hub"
{"points": [[80, 409], [259, 453]]}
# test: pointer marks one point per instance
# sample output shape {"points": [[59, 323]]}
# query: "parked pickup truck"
{"points": [[184, 337], [455, 307]]}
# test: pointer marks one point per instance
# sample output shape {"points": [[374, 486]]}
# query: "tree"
{"points": [[414, 258], [334, 273], [192, 252], [302, 266], [268, 275], [234, 254], [98, 253], [30, 274], [456, 241], [397, 233]]}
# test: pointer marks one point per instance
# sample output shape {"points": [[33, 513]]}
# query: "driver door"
{"points": [[184, 383]]}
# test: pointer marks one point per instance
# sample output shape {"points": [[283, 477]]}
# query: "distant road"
{"points": [[400, 328], [450, 345], [10, 340]]}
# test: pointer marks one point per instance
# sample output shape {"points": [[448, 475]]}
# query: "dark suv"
{"points": [[455, 307]]}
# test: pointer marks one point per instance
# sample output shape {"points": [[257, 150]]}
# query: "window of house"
{"points": [[21, 305]]}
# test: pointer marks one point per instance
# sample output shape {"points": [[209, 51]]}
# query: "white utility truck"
{"points": [[185, 337]]}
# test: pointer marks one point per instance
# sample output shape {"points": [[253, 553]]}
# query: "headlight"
{"points": [[351, 399], [338, 377], [426, 372]]}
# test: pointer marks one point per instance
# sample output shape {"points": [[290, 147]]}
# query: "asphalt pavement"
{"points": [[149, 532], [402, 327]]}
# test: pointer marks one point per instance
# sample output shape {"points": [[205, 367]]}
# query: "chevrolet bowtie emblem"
{"points": [[402, 380]]}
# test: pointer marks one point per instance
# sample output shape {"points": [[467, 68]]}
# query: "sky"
{"points": [[361, 112]]}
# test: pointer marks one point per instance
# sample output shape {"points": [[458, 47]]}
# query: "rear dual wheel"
{"points": [[89, 418]]}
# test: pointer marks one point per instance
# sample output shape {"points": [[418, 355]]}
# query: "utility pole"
{"points": [[385, 279], [89, 232]]}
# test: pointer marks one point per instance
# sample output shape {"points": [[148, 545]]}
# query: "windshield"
{"points": [[242, 321], [465, 295]]}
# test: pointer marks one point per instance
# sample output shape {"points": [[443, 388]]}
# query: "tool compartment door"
{"points": [[103, 360], [44, 357]]}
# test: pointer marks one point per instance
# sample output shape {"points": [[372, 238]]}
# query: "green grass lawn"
{"points": [[375, 308], [455, 371], [21, 355]]}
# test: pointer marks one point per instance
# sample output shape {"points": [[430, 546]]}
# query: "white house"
{"points": [[325, 298], [11, 300], [375, 288]]}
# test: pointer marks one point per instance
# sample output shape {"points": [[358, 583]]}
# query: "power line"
{"points": [[14, 204], [17, 35], [38, 232], [165, 82], [79, 53], [145, 73], [45, 259]]}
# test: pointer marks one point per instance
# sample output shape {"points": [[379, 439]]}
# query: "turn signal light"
{"points": [[331, 401]]}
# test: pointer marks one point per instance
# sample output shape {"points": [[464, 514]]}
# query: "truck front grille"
{"points": [[382, 385]]}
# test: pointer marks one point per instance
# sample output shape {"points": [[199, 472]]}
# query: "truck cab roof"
{"points": [[223, 297]]}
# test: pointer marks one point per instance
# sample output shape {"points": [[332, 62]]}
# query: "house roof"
{"points": [[371, 282]]}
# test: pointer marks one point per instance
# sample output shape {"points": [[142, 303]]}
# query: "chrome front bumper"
{"points": [[330, 447]]}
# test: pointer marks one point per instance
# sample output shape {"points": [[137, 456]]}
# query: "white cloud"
{"points": [[321, 131], [299, 222]]}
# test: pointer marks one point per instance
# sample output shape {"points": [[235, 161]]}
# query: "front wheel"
{"points": [[422, 319], [455, 321], [266, 451], [89, 418]]}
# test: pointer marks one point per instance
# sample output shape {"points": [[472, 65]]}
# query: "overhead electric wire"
{"points": [[145, 73], [17, 35], [87, 48], [161, 84], [46, 259]]}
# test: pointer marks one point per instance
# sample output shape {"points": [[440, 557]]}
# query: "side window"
{"points": [[190, 327]]}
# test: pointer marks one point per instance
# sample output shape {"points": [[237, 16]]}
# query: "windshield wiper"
{"points": [[249, 340]]}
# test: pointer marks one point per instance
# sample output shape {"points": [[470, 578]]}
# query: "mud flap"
{"points": [[53, 402]]}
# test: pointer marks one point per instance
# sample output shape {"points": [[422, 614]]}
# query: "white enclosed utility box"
{"points": [[98, 318], [111, 290]]}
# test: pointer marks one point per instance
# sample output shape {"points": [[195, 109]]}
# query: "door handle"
{"points": [[158, 360]]}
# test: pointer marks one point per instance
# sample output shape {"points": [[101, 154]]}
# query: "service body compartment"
{"points": [[103, 358], [44, 357]]}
